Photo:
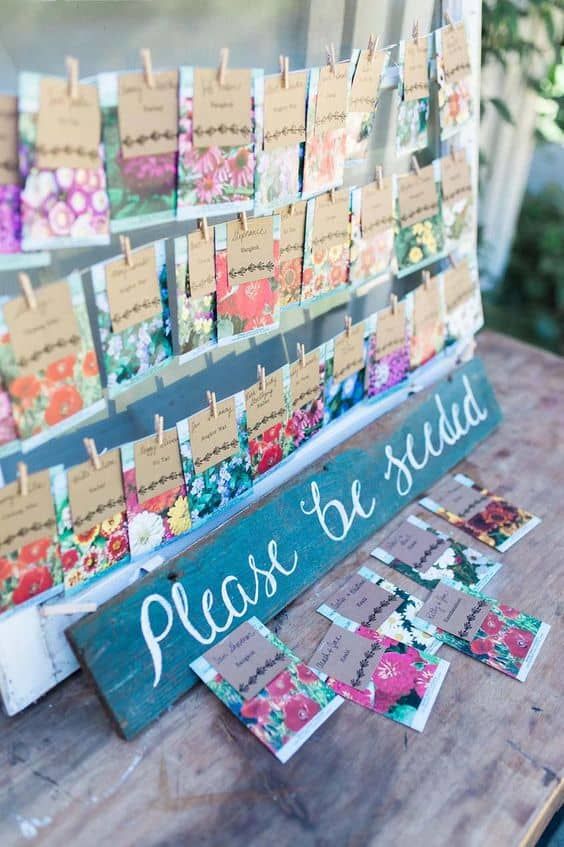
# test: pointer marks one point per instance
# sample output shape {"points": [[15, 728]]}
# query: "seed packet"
{"points": [[486, 516], [393, 679], [492, 632], [8, 431], [454, 77], [369, 68], [368, 603], [304, 391], [344, 371], [47, 360], [139, 130], [91, 520], [267, 687], [30, 564], [247, 289], [327, 244], [292, 243], [267, 416], [194, 262], [419, 236], [462, 299], [215, 457], [326, 139], [133, 315], [426, 556], [413, 96], [372, 232], [457, 202], [216, 163], [64, 201], [155, 492], [427, 337], [281, 133], [387, 366]]}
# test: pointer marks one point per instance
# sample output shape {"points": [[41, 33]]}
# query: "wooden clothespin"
{"points": [[426, 277], [448, 20], [301, 354], [379, 177], [453, 260], [261, 375], [393, 303], [23, 477], [212, 403], [159, 429], [244, 221], [27, 290], [331, 58], [126, 250], [147, 63], [415, 31], [72, 74], [348, 325], [332, 195], [285, 70], [92, 451], [415, 164], [222, 70], [373, 42], [291, 208], [204, 228]]}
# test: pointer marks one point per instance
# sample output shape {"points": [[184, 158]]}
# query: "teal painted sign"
{"points": [[138, 646]]}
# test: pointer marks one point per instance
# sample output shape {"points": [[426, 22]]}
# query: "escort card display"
{"points": [[369, 68], [327, 244], [217, 135], [457, 202], [194, 269], [133, 314], [462, 299], [267, 687], [481, 513], [387, 365], [492, 632], [381, 674], [47, 358], [419, 228], [267, 419], [64, 201], [10, 186], [372, 231], [292, 239], [427, 556], [454, 78], [413, 95], [344, 372], [427, 323], [368, 604]]}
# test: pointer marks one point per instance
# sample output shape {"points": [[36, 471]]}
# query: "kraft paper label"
{"points": [[416, 547], [284, 110], [390, 331], [366, 81], [250, 254], [331, 219], [347, 657], [158, 467], [348, 356], [456, 56], [456, 177], [26, 519], [361, 601], [213, 440], [377, 208], [68, 131], [96, 495], [454, 611], [222, 113], [332, 97], [148, 117], [458, 285], [265, 407], [201, 264], [418, 197], [460, 499], [427, 305], [304, 380], [415, 70], [9, 168], [133, 292], [292, 232]]}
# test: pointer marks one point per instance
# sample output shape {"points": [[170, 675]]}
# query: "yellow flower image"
{"points": [[415, 255], [178, 518], [110, 525], [335, 252]]}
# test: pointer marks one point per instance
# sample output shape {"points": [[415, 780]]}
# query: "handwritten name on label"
{"points": [[377, 208], [96, 496], [68, 130], [331, 219], [462, 500], [148, 117], [213, 440], [366, 81], [456, 57], [347, 657], [292, 232], [456, 177], [304, 381], [361, 601], [427, 306], [222, 113], [266, 406], [46, 333], [284, 110], [459, 286], [158, 467], [201, 264], [332, 96], [415, 70], [250, 253], [454, 611], [25, 519], [348, 357], [416, 547], [9, 168], [133, 292], [418, 198], [390, 330]]}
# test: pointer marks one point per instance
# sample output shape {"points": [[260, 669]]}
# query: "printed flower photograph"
{"points": [[277, 177], [385, 372], [411, 126], [326, 269], [158, 519], [419, 243], [248, 306], [197, 320], [290, 287], [324, 162], [425, 342], [30, 571], [372, 256], [10, 219], [358, 128], [340, 395]]}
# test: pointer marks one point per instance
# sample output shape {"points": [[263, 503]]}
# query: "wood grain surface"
{"points": [[486, 771]]}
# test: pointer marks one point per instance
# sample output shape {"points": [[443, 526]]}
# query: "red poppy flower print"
{"points": [[65, 401], [491, 624], [518, 642], [25, 388], [280, 685], [69, 559], [257, 708], [90, 364], [35, 551], [482, 646], [508, 611], [298, 711], [306, 675], [61, 369], [271, 456], [32, 583], [6, 569]]}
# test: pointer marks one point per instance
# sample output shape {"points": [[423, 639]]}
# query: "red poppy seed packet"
{"points": [[268, 688], [479, 626], [479, 512]]}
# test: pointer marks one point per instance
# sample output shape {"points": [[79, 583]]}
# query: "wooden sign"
{"points": [[138, 646]]}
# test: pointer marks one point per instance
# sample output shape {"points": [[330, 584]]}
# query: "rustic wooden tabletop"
{"points": [[488, 769]]}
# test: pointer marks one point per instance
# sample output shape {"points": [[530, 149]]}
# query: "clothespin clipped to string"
{"points": [[331, 58], [448, 20], [415, 32], [159, 429], [204, 228], [291, 208], [212, 402], [301, 354], [332, 195], [261, 376], [285, 70], [126, 250], [72, 74], [426, 277], [23, 477], [27, 290], [453, 260], [393, 303], [415, 164], [348, 325], [373, 42], [244, 221], [92, 451], [379, 177], [222, 70], [147, 63]]}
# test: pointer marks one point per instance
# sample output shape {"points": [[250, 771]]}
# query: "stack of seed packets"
{"points": [[495, 634], [369, 604], [272, 692], [426, 556], [381, 674], [486, 516]]}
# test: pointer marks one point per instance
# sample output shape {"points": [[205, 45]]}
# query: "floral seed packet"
{"points": [[495, 634], [426, 556], [369, 68], [454, 77], [372, 232], [47, 359], [216, 140], [413, 96], [292, 241], [91, 520], [327, 244], [247, 266], [457, 202], [194, 262], [10, 183], [344, 372], [369, 604], [64, 201], [267, 416], [419, 237], [267, 687], [393, 679], [281, 133], [427, 322], [215, 457], [133, 315], [139, 129], [486, 516], [155, 492], [387, 366], [8, 430], [30, 565], [462, 299], [326, 138], [305, 392]]}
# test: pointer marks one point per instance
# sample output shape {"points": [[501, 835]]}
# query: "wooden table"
{"points": [[486, 771]]}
